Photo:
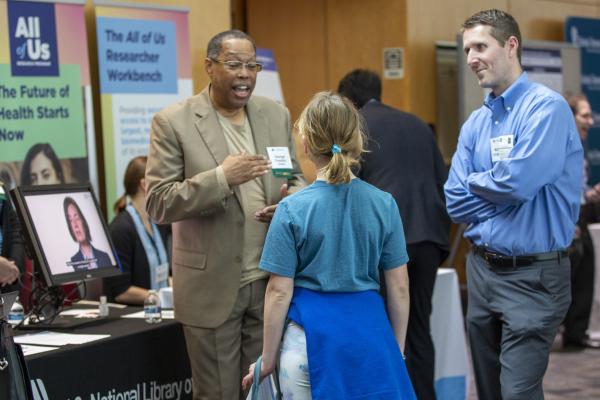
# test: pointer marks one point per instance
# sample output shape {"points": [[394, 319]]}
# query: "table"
{"points": [[594, 326], [448, 333], [138, 361]]}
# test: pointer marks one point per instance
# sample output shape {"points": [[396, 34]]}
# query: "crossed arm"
{"points": [[536, 160]]}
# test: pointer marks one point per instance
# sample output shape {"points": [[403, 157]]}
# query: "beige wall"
{"points": [[316, 42], [432, 20], [358, 31]]}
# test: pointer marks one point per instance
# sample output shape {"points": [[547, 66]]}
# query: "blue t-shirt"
{"points": [[335, 238]]}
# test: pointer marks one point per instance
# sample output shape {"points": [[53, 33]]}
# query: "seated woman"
{"points": [[325, 248], [12, 247], [138, 243]]}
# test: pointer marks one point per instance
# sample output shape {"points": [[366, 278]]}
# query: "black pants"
{"points": [[425, 257], [581, 254]]}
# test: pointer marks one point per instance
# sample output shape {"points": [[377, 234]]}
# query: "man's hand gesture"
{"points": [[243, 167]]}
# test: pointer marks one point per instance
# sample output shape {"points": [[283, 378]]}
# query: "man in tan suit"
{"points": [[209, 176]]}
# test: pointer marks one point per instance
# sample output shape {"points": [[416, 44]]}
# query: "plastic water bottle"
{"points": [[103, 307], [16, 314], [152, 311]]}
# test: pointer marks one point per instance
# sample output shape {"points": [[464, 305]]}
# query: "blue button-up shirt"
{"points": [[527, 202]]}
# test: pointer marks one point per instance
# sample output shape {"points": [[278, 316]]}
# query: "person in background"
{"points": [[209, 176], [12, 247], [138, 241], [8, 175], [9, 272], [515, 180], [581, 252], [88, 257], [41, 166], [403, 159], [325, 250]]}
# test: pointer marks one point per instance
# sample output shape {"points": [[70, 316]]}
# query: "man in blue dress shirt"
{"points": [[515, 181]]}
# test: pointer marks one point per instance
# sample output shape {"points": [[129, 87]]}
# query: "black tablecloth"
{"points": [[138, 361]]}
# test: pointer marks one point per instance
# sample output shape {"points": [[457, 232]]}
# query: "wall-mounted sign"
{"points": [[393, 63]]}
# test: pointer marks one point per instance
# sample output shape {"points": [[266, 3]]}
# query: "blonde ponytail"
{"points": [[338, 170], [331, 126]]}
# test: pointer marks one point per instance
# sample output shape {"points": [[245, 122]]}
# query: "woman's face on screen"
{"points": [[76, 223], [42, 171]]}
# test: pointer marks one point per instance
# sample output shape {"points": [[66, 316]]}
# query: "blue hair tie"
{"points": [[335, 149]]}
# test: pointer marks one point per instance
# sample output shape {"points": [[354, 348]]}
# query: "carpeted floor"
{"points": [[571, 375]]}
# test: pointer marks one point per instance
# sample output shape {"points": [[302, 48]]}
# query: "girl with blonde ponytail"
{"points": [[325, 249], [330, 129]]}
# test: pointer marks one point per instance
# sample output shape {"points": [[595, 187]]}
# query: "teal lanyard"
{"points": [[154, 249]]}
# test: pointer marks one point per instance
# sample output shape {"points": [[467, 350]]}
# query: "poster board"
{"points": [[585, 33], [46, 118], [144, 64]]}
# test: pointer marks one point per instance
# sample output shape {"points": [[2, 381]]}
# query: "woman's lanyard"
{"points": [[154, 249]]}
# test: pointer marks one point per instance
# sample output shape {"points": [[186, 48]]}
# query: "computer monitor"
{"points": [[67, 234]]}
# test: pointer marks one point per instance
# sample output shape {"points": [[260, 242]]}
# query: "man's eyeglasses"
{"points": [[237, 65]]}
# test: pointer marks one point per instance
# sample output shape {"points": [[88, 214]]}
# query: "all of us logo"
{"points": [[32, 33]]}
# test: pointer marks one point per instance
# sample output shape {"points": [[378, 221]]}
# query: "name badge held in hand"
{"points": [[281, 161]]}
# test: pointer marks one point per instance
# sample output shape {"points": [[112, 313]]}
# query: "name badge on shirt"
{"points": [[162, 274], [501, 147], [281, 161]]}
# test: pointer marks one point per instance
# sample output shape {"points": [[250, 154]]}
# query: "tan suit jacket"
{"points": [[187, 145]]}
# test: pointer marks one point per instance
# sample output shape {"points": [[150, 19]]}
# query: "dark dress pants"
{"points": [[513, 315], [577, 320], [425, 257]]}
